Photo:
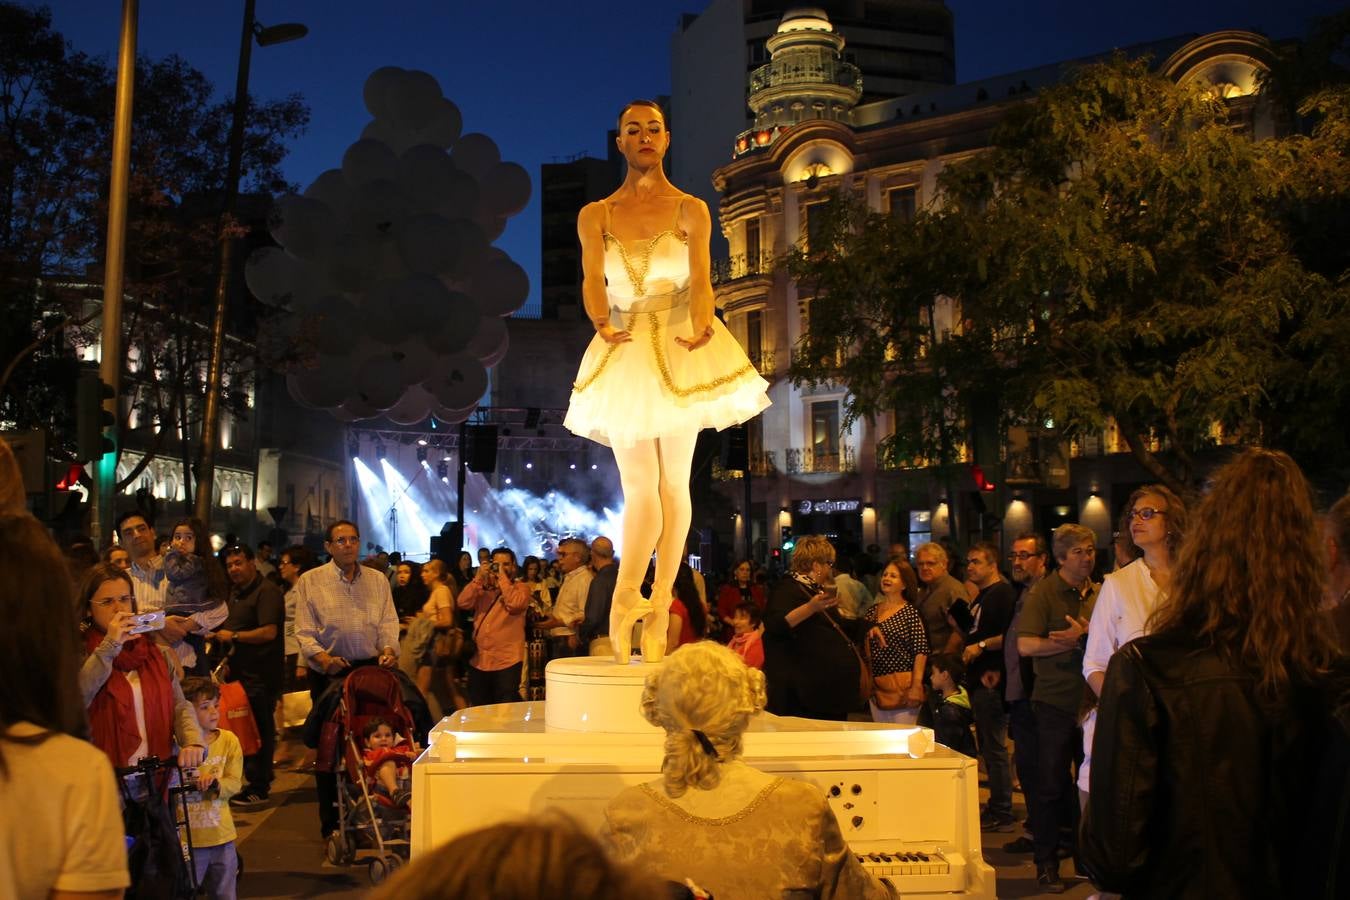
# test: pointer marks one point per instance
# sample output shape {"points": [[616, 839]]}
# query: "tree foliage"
{"points": [[1122, 250], [56, 119]]}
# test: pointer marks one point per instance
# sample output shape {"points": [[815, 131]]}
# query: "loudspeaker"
{"points": [[736, 448], [480, 450], [446, 545]]}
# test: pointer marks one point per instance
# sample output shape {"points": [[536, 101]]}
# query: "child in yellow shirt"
{"points": [[219, 778]]}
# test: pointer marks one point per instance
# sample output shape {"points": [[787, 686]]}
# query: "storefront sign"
{"points": [[811, 507]]}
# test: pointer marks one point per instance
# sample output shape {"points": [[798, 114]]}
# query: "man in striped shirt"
{"points": [[344, 618]]}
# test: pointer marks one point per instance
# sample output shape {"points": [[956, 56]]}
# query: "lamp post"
{"points": [[266, 37]]}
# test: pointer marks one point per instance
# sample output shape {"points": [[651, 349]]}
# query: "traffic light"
{"points": [[788, 541], [91, 419]]}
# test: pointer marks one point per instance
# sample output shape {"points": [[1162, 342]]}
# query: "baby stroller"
{"points": [[364, 823], [158, 835]]}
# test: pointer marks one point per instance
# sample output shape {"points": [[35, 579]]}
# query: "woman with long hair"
{"points": [[129, 681], [731, 829], [464, 570], [1209, 774], [60, 823], [1154, 525], [660, 367], [897, 643]]}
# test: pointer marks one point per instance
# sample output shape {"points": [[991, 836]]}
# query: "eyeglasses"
{"points": [[346, 541], [1023, 556], [1145, 513]]}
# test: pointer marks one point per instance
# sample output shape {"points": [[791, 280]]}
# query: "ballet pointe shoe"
{"points": [[627, 608], [655, 625]]}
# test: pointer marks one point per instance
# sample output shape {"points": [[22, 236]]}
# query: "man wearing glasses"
{"points": [[344, 618], [1028, 559], [992, 611], [1052, 628]]}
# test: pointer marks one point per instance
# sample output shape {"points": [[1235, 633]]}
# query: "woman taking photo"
{"points": [[130, 682], [1219, 761], [660, 367], [294, 561], [740, 589], [897, 643], [60, 821], [809, 657], [730, 829]]}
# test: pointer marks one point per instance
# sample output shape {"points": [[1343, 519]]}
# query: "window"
{"points": [[754, 334], [813, 226], [902, 203], [825, 435], [752, 253]]}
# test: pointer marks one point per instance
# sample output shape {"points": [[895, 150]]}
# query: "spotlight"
{"points": [[508, 480], [379, 450], [594, 467], [421, 442], [354, 448], [422, 453], [443, 470], [447, 458], [572, 466], [532, 417], [529, 465]]}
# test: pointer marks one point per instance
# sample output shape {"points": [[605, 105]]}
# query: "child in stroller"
{"points": [[387, 758]]}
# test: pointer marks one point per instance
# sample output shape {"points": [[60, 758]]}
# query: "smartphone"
{"points": [[151, 621]]}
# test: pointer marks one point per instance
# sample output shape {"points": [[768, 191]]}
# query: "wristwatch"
{"points": [[983, 645]]}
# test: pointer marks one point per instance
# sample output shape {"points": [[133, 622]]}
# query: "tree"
{"points": [[1122, 251], [56, 112]]}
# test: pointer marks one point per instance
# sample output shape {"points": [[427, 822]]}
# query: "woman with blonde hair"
{"points": [[713, 820], [810, 660], [1218, 764], [528, 860]]}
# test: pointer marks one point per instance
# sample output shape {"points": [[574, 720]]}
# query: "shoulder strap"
{"points": [[679, 205], [605, 204]]}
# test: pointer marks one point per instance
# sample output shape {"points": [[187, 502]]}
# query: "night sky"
{"points": [[545, 79]]}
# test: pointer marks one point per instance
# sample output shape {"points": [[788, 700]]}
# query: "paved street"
{"points": [[283, 857]]}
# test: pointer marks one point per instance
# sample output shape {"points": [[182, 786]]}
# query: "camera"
{"points": [[150, 621], [496, 567]]}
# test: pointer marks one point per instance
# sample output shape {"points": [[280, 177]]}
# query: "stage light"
{"points": [[421, 442], [379, 450], [443, 470], [594, 467], [529, 465], [354, 448], [422, 453], [572, 466], [508, 481]]}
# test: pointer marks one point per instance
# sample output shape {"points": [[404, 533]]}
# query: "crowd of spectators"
{"points": [[1216, 632]]}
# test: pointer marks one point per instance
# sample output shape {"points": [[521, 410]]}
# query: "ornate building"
{"points": [[810, 142]]}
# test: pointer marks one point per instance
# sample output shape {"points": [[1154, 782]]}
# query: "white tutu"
{"points": [[651, 386]]}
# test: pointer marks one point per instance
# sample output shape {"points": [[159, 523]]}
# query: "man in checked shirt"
{"points": [[344, 618]]}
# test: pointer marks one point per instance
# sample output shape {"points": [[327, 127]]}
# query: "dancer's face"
{"points": [[643, 139]]}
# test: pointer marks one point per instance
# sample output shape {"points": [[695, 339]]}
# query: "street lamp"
{"points": [[266, 37]]}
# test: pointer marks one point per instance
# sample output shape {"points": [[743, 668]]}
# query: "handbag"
{"points": [[448, 644], [236, 715], [889, 691]]}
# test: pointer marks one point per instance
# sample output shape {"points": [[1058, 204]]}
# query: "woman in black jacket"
{"points": [[809, 662], [1218, 763]]}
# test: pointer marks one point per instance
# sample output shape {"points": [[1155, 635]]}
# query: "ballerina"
{"points": [[660, 367]]}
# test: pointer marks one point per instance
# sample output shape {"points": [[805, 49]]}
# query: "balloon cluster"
{"points": [[388, 263]]}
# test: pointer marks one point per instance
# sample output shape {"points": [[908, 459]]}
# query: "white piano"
{"points": [[907, 807]]}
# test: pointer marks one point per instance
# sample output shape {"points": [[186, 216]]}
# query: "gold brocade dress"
{"points": [[650, 386], [784, 845]]}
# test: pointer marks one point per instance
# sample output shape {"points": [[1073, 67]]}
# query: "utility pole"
{"points": [[110, 360]]}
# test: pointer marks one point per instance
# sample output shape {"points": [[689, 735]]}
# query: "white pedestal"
{"points": [[596, 694]]}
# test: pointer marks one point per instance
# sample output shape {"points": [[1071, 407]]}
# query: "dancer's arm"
{"points": [[590, 231], [697, 225]]}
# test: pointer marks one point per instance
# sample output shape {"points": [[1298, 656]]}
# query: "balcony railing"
{"points": [[806, 461], [741, 266], [765, 362], [760, 464], [798, 73]]}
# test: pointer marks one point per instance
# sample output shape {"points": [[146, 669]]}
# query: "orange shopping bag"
{"points": [[237, 716]]}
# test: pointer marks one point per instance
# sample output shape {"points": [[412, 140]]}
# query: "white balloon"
{"points": [[293, 388], [354, 409], [331, 188], [507, 189], [378, 382], [500, 287], [458, 327], [490, 342], [416, 100], [445, 126], [379, 89], [390, 133], [452, 416], [458, 380], [427, 244], [337, 329], [492, 226], [415, 359], [366, 161], [304, 226], [326, 385], [272, 275], [476, 154], [377, 208], [413, 407], [473, 246], [431, 179], [350, 261]]}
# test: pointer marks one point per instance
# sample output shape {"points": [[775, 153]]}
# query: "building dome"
{"points": [[806, 78]]}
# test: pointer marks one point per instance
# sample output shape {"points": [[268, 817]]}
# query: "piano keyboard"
{"points": [[913, 871]]}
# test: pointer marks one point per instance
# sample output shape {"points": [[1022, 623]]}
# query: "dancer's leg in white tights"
{"points": [[657, 513]]}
